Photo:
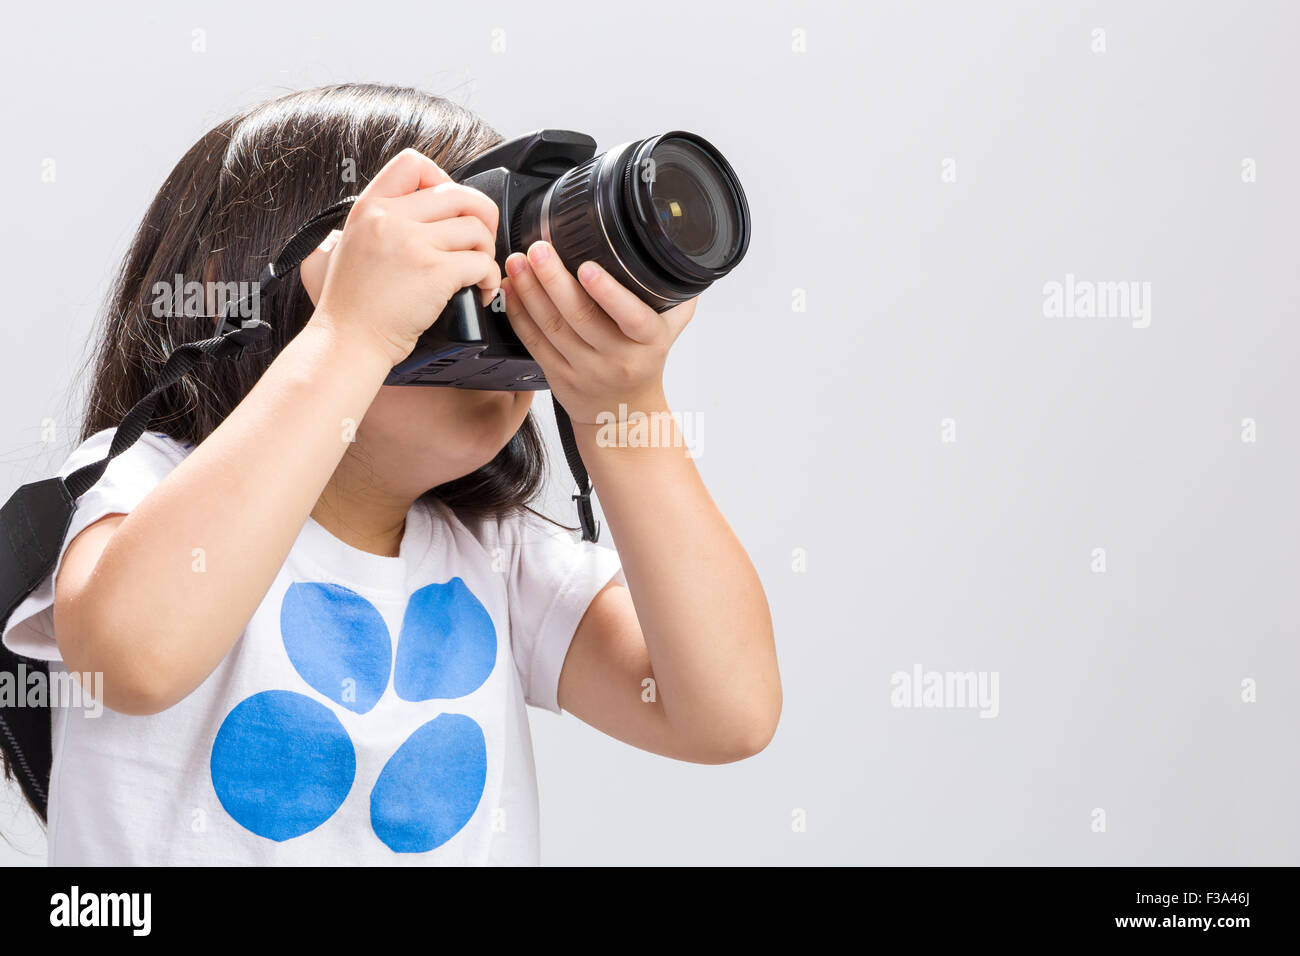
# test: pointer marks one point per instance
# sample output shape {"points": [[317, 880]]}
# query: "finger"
{"points": [[461, 233], [406, 172], [448, 200], [635, 319], [473, 268], [533, 339], [579, 310], [543, 311]]}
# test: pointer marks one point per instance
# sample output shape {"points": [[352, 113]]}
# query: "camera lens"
{"points": [[684, 212], [694, 208], [666, 216]]}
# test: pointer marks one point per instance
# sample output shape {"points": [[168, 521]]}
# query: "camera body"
{"points": [[665, 216]]}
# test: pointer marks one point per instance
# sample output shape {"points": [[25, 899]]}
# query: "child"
{"points": [[319, 604]]}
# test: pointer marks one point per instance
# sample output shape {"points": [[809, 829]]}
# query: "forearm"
{"points": [[699, 601], [182, 574]]}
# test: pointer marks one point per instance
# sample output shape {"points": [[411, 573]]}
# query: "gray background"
{"points": [[1119, 691]]}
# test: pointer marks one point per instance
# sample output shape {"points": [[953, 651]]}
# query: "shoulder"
{"points": [[153, 451], [129, 476], [29, 629]]}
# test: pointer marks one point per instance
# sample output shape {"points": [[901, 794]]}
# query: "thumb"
{"points": [[313, 268], [679, 316]]}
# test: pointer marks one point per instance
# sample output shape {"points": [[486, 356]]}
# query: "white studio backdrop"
{"points": [[940, 457]]}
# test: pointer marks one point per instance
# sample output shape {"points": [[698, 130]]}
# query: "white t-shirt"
{"points": [[371, 713]]}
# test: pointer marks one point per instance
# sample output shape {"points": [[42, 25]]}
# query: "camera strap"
{"points": [[33, 524], [36, 517], [569, 442], [312, 234]]}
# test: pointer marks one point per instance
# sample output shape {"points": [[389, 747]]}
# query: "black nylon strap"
{"points": [[586, 517], [231, 335], [230, 338], [178, 364], [33, 525], [309, 235], [36, 518], [312, 234]]}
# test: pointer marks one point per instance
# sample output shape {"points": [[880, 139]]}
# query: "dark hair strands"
{"points": [[234, 199], [231, 202]]}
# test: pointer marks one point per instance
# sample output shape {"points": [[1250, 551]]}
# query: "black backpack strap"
{"points": [[35, 519], [25, 735]]}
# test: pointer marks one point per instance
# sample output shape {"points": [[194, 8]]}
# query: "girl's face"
{"points": [[414, 438]]}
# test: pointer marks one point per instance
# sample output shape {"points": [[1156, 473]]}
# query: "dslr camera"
{"points": [[666, 216]]}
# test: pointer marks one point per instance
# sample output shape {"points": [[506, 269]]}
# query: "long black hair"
{"points": [[229, 205]]}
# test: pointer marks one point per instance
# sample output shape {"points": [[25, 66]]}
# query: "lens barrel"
{"points": [[665, 215]]}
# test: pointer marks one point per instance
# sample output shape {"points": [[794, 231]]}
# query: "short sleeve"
{"points": [[552, 580], [130, 476]]}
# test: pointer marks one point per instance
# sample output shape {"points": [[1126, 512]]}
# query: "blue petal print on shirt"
{"points": [[282, 764], [338, 642], [431, 787], [448, 645]]}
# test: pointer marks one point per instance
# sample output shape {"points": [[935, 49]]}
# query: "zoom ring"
{"points": [[575, 227], [578, 234]]}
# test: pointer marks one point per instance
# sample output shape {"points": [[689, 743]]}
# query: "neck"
{"points": [[368, 519]]}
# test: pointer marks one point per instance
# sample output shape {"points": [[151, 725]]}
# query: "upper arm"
{"points": [[71, 613], [607, 680]]}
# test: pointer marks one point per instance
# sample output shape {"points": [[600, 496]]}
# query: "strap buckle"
{"points": [[265, 284], [586, 516], [241, 335]]}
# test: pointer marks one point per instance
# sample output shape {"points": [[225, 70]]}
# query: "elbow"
{"points": [[136, 689], [139, 684], [135, 698], [743, 747], [758, 734], [746, 736], [128, 674]]}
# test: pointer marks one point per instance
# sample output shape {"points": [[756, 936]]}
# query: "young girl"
{"points": [[319, 604]]}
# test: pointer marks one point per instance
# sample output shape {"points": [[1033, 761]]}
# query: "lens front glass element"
{"points": [[694, 203]]}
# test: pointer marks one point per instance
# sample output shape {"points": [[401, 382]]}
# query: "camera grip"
{"points": [[464, 315]]}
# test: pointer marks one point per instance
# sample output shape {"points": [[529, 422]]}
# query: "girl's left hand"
{"points": [[598, 344]]}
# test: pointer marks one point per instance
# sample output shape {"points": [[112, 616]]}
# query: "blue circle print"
{"points": [[282, 764], [430, 788]]}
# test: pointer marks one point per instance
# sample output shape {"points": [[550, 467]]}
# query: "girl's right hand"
{"points": [[412, 240]]}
